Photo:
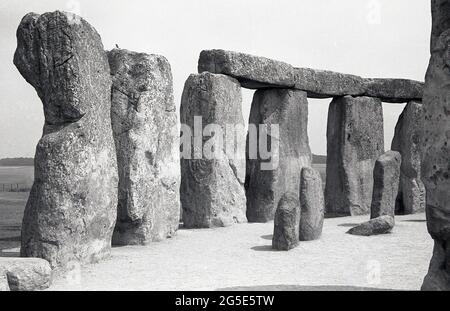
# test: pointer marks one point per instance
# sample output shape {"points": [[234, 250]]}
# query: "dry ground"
{"points": [[240, 257]]}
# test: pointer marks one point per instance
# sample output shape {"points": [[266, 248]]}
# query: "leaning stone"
{"points": [[411, 196], [386, 178], [71, 210], [436, 147], [394, 90], [212, 192], [269, 176], [144, 122], [354, 142], [286, 223], [380, 225], [312, 205], [324, 83], [253, 72], [26, 274]]}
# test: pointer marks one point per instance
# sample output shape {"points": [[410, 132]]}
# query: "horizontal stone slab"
{"points": [[253, 72], [394, 90], [325, 83]]}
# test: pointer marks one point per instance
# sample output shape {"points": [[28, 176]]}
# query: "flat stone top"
{"points": [[257, 72]]}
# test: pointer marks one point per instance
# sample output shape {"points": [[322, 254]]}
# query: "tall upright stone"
{"points": [[386, 179], [354, 142], [71, 210], [411, 195], [435, 147], [213, 152], [312, 205], [269, 176], [144, 122]]}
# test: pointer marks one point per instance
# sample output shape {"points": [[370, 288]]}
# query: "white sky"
{"points": [[371, 38]]}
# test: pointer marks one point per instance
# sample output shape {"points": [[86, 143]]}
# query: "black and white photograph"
{"points": [[224, 152]]}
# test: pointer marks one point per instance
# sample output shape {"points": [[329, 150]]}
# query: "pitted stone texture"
{"points": [[212, 192], [265, 185], [253, 72], [26, 274], [436, 147], [286, 223], [144, 122], [312, 205], [325, 83], [394, 90], [411, 196], [71, 210], [354, 142], [380, 225], [386, 179]]}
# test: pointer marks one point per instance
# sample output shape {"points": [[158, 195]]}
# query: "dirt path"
{"points": [[241, 256]]}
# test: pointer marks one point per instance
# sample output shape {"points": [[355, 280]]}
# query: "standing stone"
{"points": [[411, 196], [252, 71], [436, 147], [268, 179], [312, 205], [386, 177], [212, 177], [71, 210], [354, 142], [144, 122], [380, 225], [286, 223]]}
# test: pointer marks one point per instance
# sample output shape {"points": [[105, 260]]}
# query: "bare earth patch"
{"points": [[240, 257]]}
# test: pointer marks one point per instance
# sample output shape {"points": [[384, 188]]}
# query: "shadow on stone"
{"points": [[283, 287], [348, 225], [414, 220]]}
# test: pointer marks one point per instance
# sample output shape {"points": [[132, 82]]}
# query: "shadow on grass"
{"points": [[348, 225], [267, 237], [302, 288], [414, 220], [264, 248]]}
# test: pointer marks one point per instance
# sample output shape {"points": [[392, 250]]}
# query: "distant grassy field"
{"points": [[22, 175]]}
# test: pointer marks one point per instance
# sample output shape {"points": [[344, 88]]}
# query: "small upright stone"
{"points": [[144, 122], [355, 140], [71, 211], [271, 174], [286, 223], [386, 176], [212, 170], [312, 205], [380, 225], [253, 72], [26, 274], [411, 196]]}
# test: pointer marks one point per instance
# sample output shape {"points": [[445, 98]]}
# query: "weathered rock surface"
{"points": [[4, 287], [411, 196], [380, 225], [265, 185], [144, 122], [26, 274], [71, 211], [354, 142], [394, 90], [252, 71], [325, 83], [286, 223], [312, 205], [436, 147], [386, 179], [212, 192]]}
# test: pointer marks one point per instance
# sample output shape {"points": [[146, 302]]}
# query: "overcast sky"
{"points": [[371, 38]]}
